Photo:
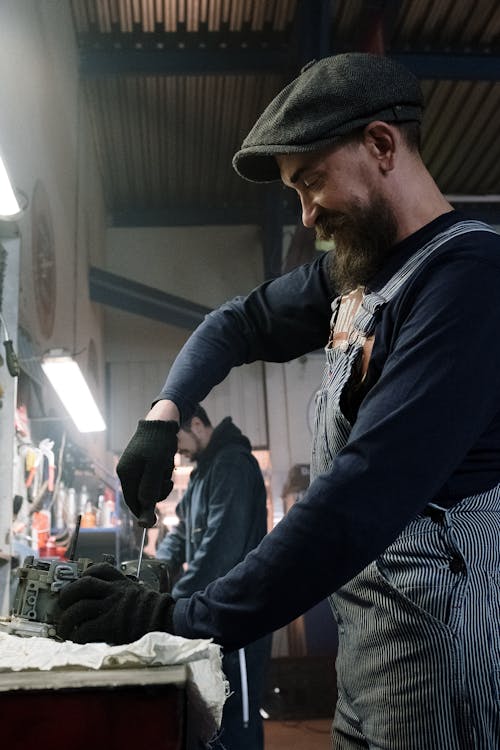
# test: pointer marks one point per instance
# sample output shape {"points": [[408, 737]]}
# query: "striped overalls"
{"points": [[418, 665]]}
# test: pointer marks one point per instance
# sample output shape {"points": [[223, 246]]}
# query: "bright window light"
{"points": [[69, 384], [9, 205]]}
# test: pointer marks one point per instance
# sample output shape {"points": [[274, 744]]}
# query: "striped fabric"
{"points": [[418, 666]]}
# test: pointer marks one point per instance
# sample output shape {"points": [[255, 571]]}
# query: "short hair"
{"points": [[410, 133], [199, 412]]}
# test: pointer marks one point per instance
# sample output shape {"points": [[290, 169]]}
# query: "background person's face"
{"points": [[189, 445]]}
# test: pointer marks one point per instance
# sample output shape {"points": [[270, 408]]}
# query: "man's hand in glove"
{"points": [[105, 605], [146, 467]]}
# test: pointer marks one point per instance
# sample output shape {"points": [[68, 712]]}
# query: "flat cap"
{"points": [[330, 98]]}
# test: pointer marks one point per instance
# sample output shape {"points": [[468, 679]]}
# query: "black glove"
{"points": [[146, 466], [105, 605]]}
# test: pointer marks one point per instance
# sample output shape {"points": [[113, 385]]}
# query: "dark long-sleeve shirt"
{"points": [[426, 426]]}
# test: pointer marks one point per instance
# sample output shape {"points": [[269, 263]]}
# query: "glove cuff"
{"points": [[163, 615], [157, 428], [141, 610]]}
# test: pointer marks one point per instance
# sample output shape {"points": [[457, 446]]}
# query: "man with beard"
{"points": [[222, 516], [400, 524]]}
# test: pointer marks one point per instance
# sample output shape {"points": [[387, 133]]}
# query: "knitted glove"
{"points": [[105, 605], [146, 466]]}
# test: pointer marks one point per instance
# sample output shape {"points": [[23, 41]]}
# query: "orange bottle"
{"points": [[88, 517]]}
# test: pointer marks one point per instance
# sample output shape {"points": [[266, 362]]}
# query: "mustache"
{"points": [[328, 224]]}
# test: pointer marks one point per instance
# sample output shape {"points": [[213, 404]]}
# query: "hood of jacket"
{"points": [[225, 434]]}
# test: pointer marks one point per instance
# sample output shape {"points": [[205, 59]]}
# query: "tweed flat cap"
{"points": [[330, 98]]}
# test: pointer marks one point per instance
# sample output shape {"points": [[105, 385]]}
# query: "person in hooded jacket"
{"points": [[222, 516]]}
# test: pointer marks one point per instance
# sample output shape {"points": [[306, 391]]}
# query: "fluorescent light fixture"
{"points": [[9, 204], [69, 384]]}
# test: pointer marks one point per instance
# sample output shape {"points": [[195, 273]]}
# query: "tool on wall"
{"points": [[39, 467], [10, 354]]}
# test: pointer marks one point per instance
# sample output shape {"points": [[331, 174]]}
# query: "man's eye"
{"points": [[309, 182]]}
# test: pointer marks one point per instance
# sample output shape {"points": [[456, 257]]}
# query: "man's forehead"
{"points": [[292, 166]]}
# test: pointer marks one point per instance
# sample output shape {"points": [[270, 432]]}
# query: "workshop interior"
{"points": [[123, 224]]}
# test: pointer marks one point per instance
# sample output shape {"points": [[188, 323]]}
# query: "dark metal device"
{"points": [[154, 573], [35, 608]]}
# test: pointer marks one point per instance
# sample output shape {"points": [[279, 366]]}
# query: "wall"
{"points": [[206, 265], [45, 138], [45, 141]]}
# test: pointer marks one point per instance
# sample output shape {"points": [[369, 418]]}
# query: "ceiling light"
{"points": [[10, 207], [67, 379]]}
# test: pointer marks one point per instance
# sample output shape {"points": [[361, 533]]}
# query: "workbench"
{"points": [[108, 709]]}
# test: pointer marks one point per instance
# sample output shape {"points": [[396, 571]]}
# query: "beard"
{"points": [[198, 450], [364, 237], [193, 453]]}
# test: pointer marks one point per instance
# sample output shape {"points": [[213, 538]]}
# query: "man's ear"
{"points": [[196, 425], [381, 142]]}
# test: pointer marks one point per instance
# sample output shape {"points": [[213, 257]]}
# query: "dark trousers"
{"points": [[233, 734]]}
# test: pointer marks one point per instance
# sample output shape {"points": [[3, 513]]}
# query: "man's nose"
{"points": [[309, 213]]}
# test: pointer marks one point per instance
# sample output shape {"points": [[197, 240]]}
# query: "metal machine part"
{"points": [[25, 628], [35, 608], [154, 573]]}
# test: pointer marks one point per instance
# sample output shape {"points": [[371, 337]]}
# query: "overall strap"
{"points": [[364, 321]]}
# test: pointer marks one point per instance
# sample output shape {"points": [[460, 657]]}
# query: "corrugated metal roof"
{"points": [[170, 140], [172, 87], [448, 24], [424, 25], [460, 135], [171, 16]]}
